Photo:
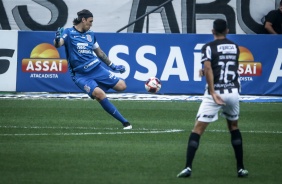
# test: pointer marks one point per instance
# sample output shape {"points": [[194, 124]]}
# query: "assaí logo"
{"points": [[248, 68], [44, 62]]}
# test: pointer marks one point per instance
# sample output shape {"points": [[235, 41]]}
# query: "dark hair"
{"points": [[281, 3], [82, 14], [219, 26]]}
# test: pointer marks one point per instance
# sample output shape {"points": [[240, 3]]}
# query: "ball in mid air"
{"points": [[153, 85]]}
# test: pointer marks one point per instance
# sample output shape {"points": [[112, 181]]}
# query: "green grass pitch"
{"points": [[76, 141]]}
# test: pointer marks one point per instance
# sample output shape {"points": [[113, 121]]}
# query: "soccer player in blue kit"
{"points": [[85, 66]]}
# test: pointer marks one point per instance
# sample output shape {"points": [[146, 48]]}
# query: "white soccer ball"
{"points": [[153, 85]]}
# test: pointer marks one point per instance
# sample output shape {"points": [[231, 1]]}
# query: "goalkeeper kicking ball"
{"points": [[153, 85]]}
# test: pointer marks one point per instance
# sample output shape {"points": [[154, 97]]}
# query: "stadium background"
{"points": [[68, 140], [244, 16], [29, 63]]}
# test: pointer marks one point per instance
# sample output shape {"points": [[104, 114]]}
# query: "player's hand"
{"points": [[201, 73], [118, 68], [217, 99], [59, 34]]}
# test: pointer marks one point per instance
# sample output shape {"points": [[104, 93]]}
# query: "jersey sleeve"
{"points": [[65, 35], [95, 45], [206, 53]]}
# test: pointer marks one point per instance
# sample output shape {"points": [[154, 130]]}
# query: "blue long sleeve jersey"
{"points": [[79, 48]]}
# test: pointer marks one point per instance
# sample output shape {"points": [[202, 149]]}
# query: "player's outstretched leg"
{"points": [[112, 110]]}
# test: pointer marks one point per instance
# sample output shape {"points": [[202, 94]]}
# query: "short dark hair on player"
{"points": [[220, 26], [82, 14]]}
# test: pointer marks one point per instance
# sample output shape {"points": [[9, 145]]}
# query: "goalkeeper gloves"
{"points": [[59, 34], [118, 68]]}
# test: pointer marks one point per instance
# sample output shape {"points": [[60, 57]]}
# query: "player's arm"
{"points": [[269, 28], [101, 55], [208, 72], [58, 41]]}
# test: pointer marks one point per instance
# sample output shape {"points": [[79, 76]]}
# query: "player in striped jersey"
{"points": [[220, 60]]}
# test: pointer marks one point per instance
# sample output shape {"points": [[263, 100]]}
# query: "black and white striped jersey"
{"points": [[223, 55]]}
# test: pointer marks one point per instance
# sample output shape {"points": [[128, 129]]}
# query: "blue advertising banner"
{"points": [[173, 58], [41, 66], [260, 64]]}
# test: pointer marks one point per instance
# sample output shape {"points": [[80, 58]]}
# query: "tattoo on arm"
{"points": [[104, 58]]}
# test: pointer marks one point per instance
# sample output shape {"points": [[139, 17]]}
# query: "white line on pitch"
{"points": [[112, 133], [96, 133], [71, 128]]}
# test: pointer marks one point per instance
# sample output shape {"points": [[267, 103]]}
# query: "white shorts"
{"points": [[208, 110]]}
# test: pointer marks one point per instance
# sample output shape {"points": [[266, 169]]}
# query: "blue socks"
{"points": [[112, 110]]}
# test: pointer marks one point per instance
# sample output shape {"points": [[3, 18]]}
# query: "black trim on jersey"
{"points": [[221, 91]]}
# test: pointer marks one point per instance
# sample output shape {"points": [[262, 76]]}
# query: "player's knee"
{"points": [[232, 125], [120, 86], [98, 94], [123, 86]]}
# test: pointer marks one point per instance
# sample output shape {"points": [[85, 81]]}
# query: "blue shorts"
{"points": [[97, 77]]}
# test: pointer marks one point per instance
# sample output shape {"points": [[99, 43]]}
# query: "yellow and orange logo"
{"points": [[247, 66], [44, 58]]}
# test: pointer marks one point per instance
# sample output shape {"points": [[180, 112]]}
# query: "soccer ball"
{"points": [[153, 85]]}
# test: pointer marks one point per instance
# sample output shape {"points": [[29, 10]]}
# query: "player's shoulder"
{"points": [[69, 29], [215, 43], [224, 41], [90, 32], [92, 35], [208, 44], [231, 42]]}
